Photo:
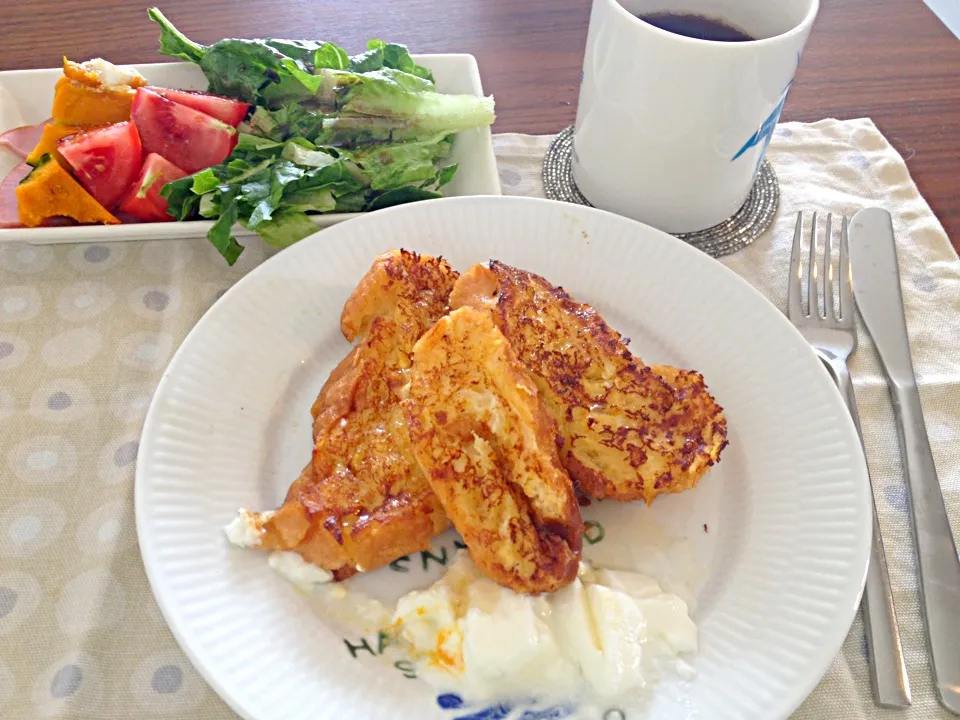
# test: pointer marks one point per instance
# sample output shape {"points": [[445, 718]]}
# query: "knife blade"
{"points": [[876, 287]]}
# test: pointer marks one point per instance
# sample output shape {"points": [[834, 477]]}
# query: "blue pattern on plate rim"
{"points": [[520, 710], [515, 710]]}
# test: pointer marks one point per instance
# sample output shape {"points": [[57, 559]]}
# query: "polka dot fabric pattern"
{"points": [[86, 331]]}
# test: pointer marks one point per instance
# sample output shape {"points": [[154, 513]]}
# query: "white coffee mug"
{"points": [[671, 130]]}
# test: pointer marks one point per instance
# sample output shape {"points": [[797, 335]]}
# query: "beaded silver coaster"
{"points": [[733, 234]]}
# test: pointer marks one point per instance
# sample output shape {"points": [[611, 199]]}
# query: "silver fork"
{"points": [[833, 335]]}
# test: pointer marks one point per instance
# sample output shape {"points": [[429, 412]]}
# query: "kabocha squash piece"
{"points": [[78, 73], [48, 141], [94, 93], [50, 191], [78, 104], [83, 101]]}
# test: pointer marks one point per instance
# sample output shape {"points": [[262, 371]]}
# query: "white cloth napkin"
{"points": [[841, 167]]}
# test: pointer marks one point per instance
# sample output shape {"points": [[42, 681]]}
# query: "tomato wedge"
{"points": [[225, 109], [105, 160], [144, 200], [188, 138]]}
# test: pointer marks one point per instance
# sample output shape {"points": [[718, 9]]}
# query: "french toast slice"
{"points": [[363, 500], [489, 450], [629, 431]]}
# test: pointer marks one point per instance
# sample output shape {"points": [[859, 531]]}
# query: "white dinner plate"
{"points": [[27, 95], [772, 545]]}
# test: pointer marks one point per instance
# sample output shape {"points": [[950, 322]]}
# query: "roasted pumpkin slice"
{"points": [[75, 103], [52, 132], [50, 191]]}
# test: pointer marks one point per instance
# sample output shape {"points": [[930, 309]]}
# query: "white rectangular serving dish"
{"points": [[26, 97]]}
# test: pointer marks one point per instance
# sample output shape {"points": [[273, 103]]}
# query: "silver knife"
{"points": [[876, 286]]}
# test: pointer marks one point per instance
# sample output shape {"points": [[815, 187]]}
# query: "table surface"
{"points": [[890, 60]]}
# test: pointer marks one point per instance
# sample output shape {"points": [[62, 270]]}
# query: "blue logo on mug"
{"points": [[765, 133]]}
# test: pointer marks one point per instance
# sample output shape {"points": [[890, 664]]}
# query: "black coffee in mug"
{"points": [[696, 26]]}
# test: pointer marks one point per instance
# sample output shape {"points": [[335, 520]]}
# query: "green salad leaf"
{"points": [[328, 132], [331, 56], [312, 89], [301, 50], [270, 187], [398, 57], [245, 69], [173, 42], [393, 165], [399, 196], [409, 100], [380, 55]]}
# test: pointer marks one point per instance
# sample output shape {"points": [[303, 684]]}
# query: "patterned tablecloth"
{"points": [[86, 330]]}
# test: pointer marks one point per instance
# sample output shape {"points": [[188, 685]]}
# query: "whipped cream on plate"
{"points": [[607, 635], [243, 530], [297, 570]]}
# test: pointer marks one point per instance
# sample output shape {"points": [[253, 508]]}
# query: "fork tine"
{"points": [[846, 279], [813, 302], [828, 272], [796, 270]]}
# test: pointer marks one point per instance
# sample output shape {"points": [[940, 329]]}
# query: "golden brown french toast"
{"points": [[489, 450], [363, 501], [629, 431]]}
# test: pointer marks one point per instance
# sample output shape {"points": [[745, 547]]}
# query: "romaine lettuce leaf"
{"points": [[286, 227], [173, 42], [328, 133], [382, 54], [312, 89], [394, 165], [243, 68], [399, 196], [332, 56], [270, 187], [398, 57]]}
